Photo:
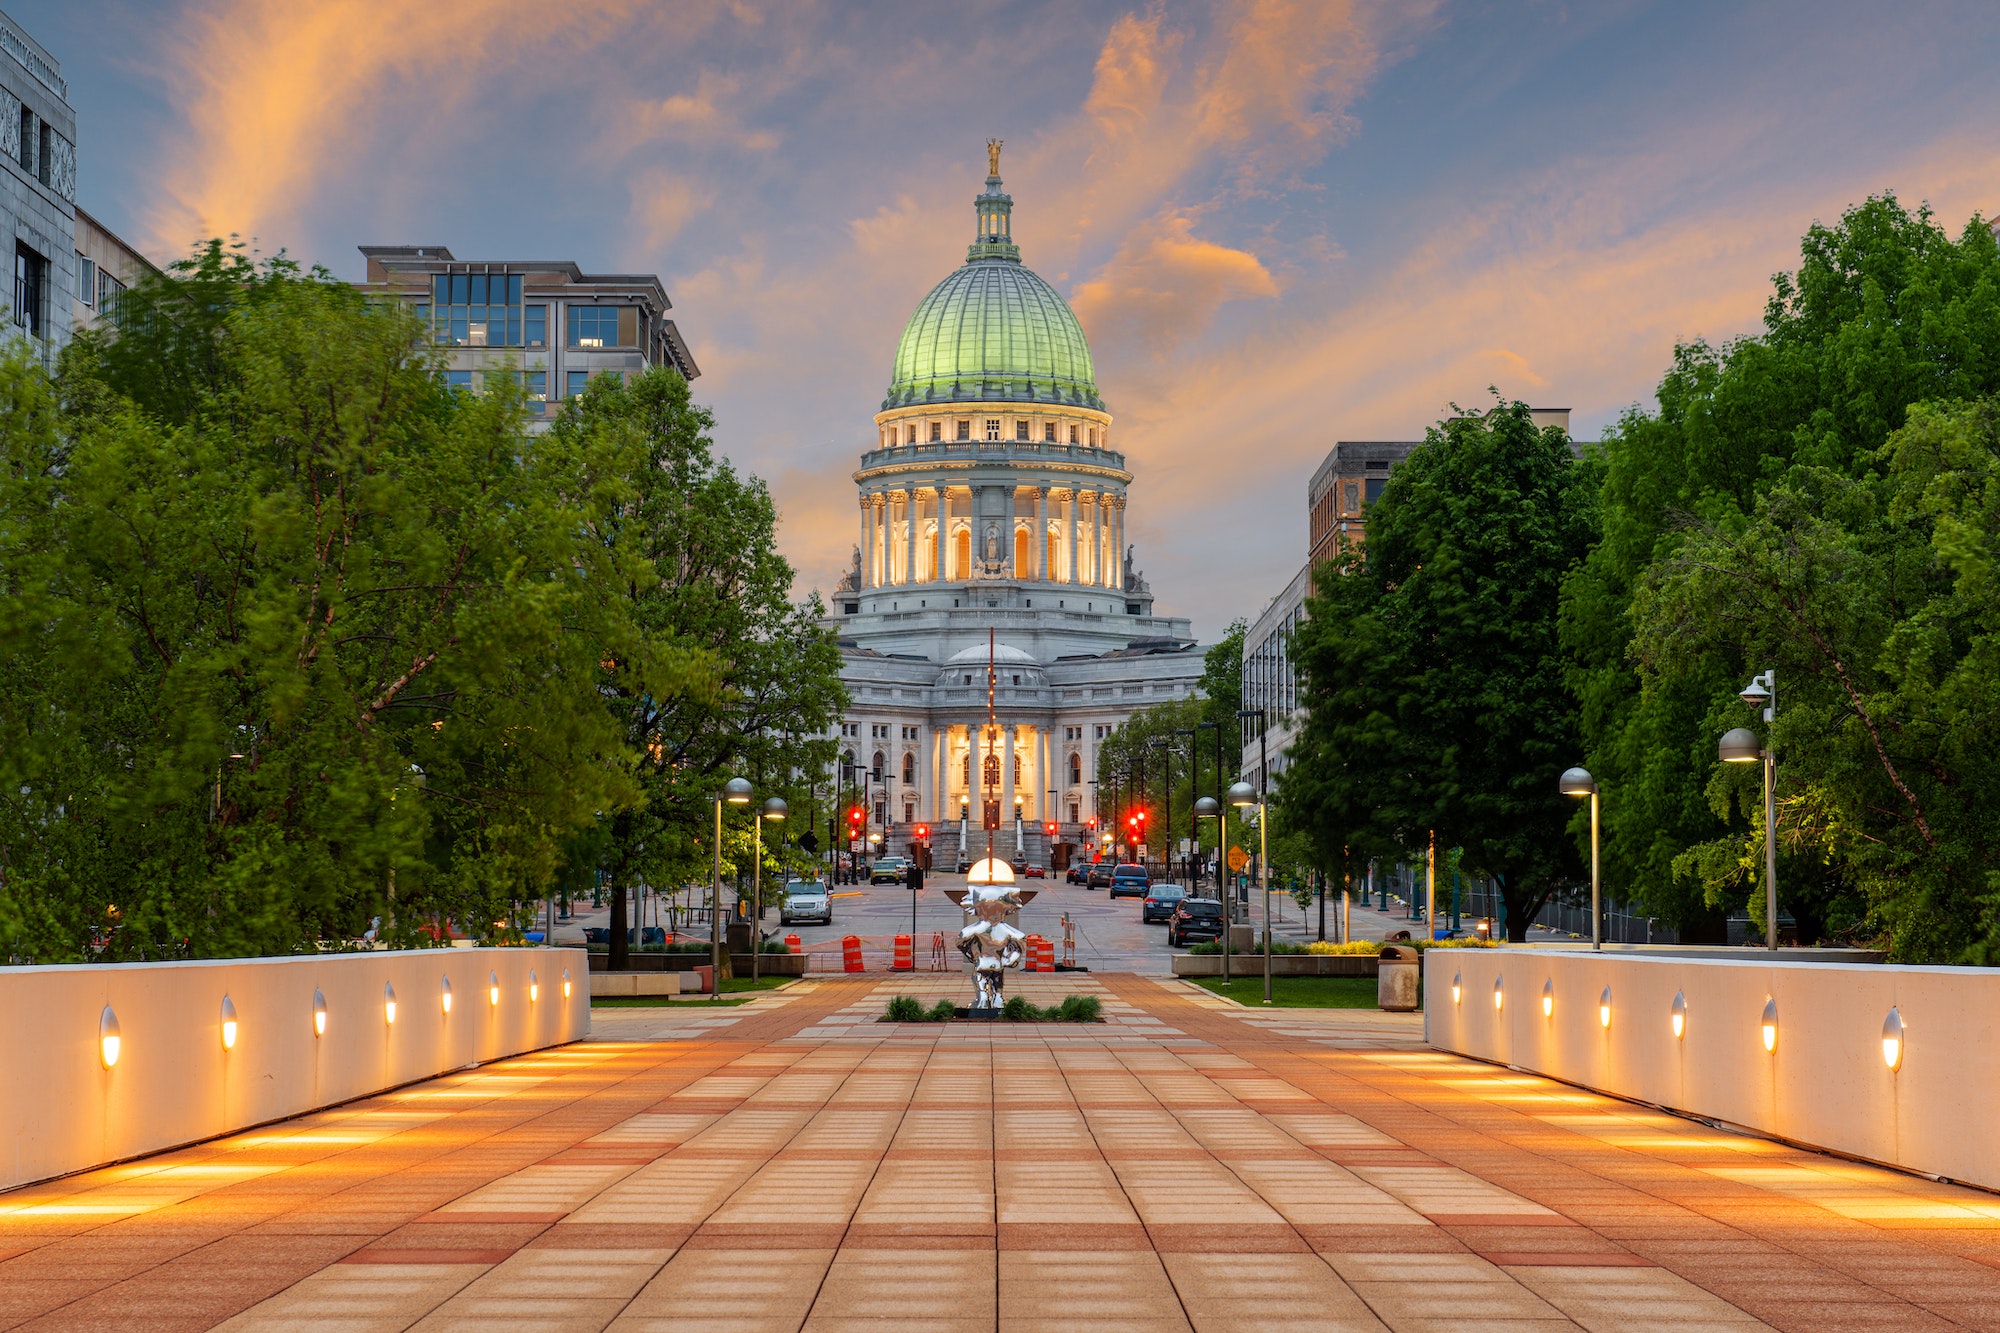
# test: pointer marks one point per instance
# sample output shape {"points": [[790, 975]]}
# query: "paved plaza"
{"points": [[794, 1164]]}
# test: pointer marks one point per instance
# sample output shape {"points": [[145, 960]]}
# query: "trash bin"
{"points": [[1396, 978]]}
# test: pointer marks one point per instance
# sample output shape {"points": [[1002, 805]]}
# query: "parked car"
{"points": [[887, 870], [1035, 871], [1161, 899], [633, 935], [1194, 919], [806, 900], [1129, 881], [1078, 873], [1019, 865]]}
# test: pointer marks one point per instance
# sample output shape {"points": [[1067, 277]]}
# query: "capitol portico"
{"points": [[994, 500]]}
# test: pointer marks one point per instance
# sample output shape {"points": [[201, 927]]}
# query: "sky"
{"points": [[1281, 224]]}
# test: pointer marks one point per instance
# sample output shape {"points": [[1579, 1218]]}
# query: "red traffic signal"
{"points": [[1093, 823], [1050, 828], [923, 832], [855, 815]]}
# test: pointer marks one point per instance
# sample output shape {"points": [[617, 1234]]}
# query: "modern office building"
{"points": [[993, 498], [105, 267], [546, 320], [37, 188]]}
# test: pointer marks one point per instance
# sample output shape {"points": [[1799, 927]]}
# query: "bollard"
{"points": [[850, 950], [904, 961], [1396, 978]]}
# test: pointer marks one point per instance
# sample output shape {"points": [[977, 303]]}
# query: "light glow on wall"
{"points": [[565, 983], [319, 1014], [1892, 1040], [1768, 1025], [1549, 998], [534, 987], [228, 1024], [108, 1041], [1604, 1008], [1457, 986], [1680, 1015], [388, 1003], [1499, 992], [445, 994], [493, 988]]}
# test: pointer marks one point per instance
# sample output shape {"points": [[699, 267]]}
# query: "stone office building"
{"points": [[994, 498], [545, 320], [37, 189]]}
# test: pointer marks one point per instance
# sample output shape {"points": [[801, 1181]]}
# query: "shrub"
{"points": [[904, 1009], [942, 1012], [1018, 1010], [1079, 1009]]}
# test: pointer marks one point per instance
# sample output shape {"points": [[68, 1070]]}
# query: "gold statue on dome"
{"points": [[993, 156]]}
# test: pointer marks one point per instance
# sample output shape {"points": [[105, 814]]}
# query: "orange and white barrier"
{"points": [[904, 961], [850, 954]]}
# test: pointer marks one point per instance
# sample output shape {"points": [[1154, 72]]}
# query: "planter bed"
{"points": [[1282, 965]]}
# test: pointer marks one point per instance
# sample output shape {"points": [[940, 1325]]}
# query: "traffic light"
{"points": [[1050, 828], [923, 832], [1093, 823], [856, 817]]}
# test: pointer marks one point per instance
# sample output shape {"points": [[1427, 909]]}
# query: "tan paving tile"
{"points": [[1229, 1293], [357, 1298], [1120, 1292], [949, 1291], [728, 1291]]}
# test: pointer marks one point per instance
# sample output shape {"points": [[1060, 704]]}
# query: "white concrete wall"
{"points": [[1826, 1084], [61, 1110]]}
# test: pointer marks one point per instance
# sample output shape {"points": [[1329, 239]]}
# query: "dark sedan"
{"points": [[1194, 919], [1161, 899], [1099, 876], [1078, 873]]}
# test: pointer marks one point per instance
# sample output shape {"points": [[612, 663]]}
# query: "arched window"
{"points": [[1022, 550], [961, 554], [909, 770], [1075, 770], [848, 759], [967, 775], [876, 767]]}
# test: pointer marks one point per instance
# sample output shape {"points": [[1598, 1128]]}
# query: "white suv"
{"points": [[806, 900]]}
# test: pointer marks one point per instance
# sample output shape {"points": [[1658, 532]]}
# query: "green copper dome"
{"points": [[993, 331]]}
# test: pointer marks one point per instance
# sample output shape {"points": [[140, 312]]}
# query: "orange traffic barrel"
{"points": [[1045, 954], [793, 944], [904, 961], [850, 949], [1031, 960]]}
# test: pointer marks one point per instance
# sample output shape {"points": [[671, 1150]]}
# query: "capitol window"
{"points": [[1072, 434], [965, 430], [937, 431], [1021, 430], [1049, 432], [993, 428]]}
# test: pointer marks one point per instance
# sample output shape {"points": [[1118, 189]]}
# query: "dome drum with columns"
{"points": [[994, 499]]}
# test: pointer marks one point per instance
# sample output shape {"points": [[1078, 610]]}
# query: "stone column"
{"points": [[1007, 752], [1041, 534], [937, 774], [1118, 542], [1075, 505], [867, 539], [882, 538], [910, 535], [1007, 523]]}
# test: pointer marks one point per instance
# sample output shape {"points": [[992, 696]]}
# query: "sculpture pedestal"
{"points": [[989, 1013]]}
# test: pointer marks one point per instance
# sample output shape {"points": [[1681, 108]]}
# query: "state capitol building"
{"points": [[994, 499]]}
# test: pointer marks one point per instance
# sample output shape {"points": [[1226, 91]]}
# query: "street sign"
{"points": [[808, 843], [1238, 858]]}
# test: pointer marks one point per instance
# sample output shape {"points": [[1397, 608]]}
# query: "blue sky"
{"points": [[1282, 224]]}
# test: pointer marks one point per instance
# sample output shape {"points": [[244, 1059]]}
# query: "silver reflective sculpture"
{"points": [[989, 940]]}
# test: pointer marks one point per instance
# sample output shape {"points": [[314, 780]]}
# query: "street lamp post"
{"points": [[1216, 801], [1165, 746], [1578, 782], [1203, 809], [736, 791], [1741, 746], [774, 809], [1243, 795], [1194, 833]]}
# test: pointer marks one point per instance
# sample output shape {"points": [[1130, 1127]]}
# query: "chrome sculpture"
{"points": [[989, 941]]}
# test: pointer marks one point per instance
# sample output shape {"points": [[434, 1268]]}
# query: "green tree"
{"points": [[1430, 667], [1885, 310], [699, 577]]}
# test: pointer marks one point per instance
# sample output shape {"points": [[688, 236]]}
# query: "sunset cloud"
{"points": [[1165, 285]]}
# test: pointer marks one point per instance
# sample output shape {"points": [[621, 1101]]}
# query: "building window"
{"points": [[535, 326], [937, 431], [110, 297], [1072, 813], [965, 430], [31, 285], [909, 770], [1020, 430], [536, 384], [575, 382], [876, 768], [1375, 485], [603, 325], [1075, 772], [26, 144], [458, 379], [1049, 432], [45, 152], [86, 279], [476, 309], [1072, 434], [993, 428]]}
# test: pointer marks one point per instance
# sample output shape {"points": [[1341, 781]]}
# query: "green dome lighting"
{"points": [[993, 331]]}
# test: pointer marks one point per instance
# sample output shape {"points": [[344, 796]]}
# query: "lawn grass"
{"points": [[1296, 992]]}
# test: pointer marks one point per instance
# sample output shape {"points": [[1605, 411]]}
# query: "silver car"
{"points": [[806, 901]]}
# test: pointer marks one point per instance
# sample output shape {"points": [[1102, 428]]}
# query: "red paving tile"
{"points": [[1418, 1170]]}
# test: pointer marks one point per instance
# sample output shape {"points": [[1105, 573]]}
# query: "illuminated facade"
{"points": [[993, 497]]}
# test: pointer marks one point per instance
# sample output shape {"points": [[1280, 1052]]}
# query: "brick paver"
{"points": [[1185, 1164]]}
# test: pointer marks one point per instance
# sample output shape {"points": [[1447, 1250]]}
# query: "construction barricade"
{"points": [[850, 954], [1045, 954], [903, 961], [1031, 953]]}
